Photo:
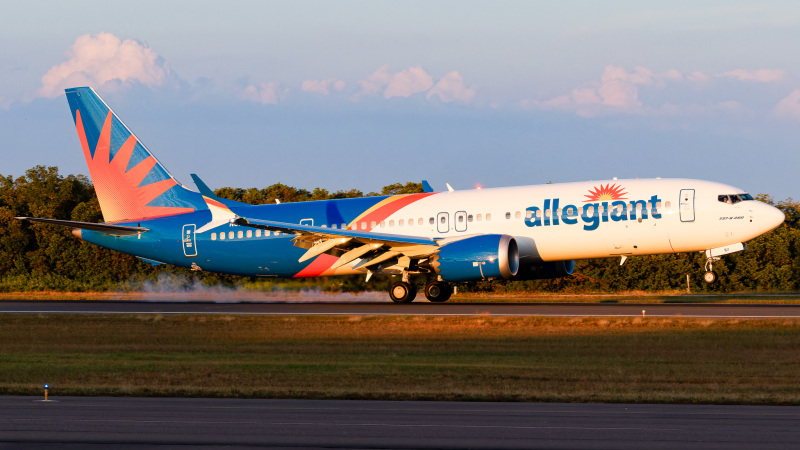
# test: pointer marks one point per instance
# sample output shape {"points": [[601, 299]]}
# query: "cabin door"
{"points": [[189, 244], [687, 205]]}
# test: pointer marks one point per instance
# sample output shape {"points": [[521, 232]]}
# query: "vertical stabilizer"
{"points": [[130, 182]]}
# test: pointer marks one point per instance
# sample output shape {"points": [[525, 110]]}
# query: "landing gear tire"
{"points": [[402, 292], [709, 277], [438, 291]]}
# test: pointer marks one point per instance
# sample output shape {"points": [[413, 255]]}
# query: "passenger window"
{"points": [[391, 223], [324, 225], [213, 236], [517, 215], [419, 221], [344, 226], [547, 213], [431, 221], [410, 222], [372, 225], [239, 234], [258, 233], [400, 223], [508, 215], [222, 236], [363, 225], [469, 218], [478, 217], [249, 233], [383, 224], [230, 235], [488, 217], [558, 212], [667, 205]]}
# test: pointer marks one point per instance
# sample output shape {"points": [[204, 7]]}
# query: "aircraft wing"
{"points": [[115, 230], [377, 251]]}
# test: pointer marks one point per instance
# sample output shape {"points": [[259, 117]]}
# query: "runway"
{"points": [[133, 422], [747, 311]]}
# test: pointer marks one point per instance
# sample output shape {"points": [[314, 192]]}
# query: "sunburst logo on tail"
{"points": [[119, 189], [607, 192]]}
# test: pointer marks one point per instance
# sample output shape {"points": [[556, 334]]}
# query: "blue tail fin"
{"points": [[130, 182]]}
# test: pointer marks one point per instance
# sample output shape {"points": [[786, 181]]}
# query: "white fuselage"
{"points": [[583, 220]]}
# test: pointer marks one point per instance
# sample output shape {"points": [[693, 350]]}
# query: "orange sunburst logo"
{"points": [[607, 192], [118, 189]]}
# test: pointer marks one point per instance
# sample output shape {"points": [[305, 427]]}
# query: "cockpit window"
{"points": [[734, 198]]}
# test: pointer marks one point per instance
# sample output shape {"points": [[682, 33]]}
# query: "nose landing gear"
{"points": [[710, 277]]}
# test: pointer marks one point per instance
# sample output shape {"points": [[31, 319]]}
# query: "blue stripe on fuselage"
{"points": [[273, 255]]}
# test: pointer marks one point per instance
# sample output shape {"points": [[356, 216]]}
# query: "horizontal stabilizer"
{"points": [[207, 192], [115, 230]]}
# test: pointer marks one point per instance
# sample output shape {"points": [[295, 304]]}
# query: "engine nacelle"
{"points": [[478, 258], [545, 270]]}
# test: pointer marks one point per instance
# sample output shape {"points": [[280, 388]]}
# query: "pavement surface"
{"points": [[103, 422], [422, 308]]}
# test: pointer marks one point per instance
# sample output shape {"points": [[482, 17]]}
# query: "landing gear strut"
{"points": [[438, 291]]}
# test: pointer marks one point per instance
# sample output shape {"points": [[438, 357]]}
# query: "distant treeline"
{"points": [[45, 257]]}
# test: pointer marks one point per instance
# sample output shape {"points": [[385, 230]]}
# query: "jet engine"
{"points": [[478, 258]]}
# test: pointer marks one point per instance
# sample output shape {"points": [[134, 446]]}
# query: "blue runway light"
{"points": [[47, 386]]}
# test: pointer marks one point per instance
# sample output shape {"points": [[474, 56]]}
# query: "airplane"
{"points": [[513, 233]]}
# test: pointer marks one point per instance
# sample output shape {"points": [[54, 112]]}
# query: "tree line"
{"points": [[44, 257]]}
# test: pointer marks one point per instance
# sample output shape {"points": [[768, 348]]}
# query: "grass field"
{"points": [[436, 358]]}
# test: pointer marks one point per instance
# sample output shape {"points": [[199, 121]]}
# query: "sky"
{"points": [[362, 94]]}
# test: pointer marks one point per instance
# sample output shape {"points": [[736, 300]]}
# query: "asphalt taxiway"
{"points": [[103, 422], [422, 308]]}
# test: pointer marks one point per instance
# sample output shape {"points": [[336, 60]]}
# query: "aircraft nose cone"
{"points": [[773, 216]]}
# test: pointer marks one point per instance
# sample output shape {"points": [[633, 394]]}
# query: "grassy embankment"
{"points": [[440, 358]]}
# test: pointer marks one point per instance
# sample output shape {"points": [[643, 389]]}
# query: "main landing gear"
{"points": [[435, 291], [438, 291]]}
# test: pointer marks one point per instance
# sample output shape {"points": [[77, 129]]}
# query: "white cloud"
{"points": [[617, 92], [265, 93], [789, 106], [760, 75], [322, 86], [451, 88], [697, 77], [102, 58], [399, 84], [408, 82]]}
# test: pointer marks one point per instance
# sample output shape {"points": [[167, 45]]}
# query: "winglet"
{"points": [[426, 187]]}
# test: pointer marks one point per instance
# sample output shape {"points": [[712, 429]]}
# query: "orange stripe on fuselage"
{"points": [[385, 209], [318, 266]]}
